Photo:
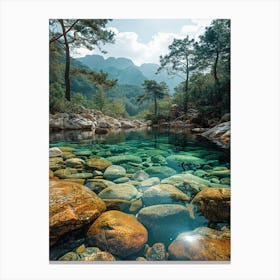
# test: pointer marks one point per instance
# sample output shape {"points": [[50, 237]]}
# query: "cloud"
{"points": [[127, 44]]}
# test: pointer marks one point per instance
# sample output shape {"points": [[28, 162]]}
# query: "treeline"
{"points": [[204, 65]]}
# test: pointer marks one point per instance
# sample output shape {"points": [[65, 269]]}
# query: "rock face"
{"points": [[214, 204], [118, 233], [163, 194], [219, 134], [114, 172], [71, 206], [165, 221], [64, 121], [202, 244]]}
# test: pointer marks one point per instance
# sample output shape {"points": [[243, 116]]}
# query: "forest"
{"points": [[201, 69]]}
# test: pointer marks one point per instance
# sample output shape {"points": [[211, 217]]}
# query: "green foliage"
{"points": [[117, 109], [100, 99]]}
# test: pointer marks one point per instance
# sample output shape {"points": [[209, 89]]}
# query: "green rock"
{"points": [[219, 168], [215, 180], [124, 159], [220, 173], [160, 171], [200, 173], [114, 172], [74, 162], [184, 159], [155, 152], [225, 181], [121, 180], [98, 163], [82, 152], [63, 173]]}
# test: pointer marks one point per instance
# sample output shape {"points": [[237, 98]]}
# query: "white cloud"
{"points": [[127, 44]]}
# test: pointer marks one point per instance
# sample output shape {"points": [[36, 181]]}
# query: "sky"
{"points": [[144, 40]]}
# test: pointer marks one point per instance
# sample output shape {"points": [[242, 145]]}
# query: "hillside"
{"points": [[127, 72]]}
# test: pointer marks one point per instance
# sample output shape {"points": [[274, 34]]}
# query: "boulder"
{"points": [[201, 244], [97, 185], [219, 134], [140, 175], [98, 163], [54, 152], [127, 124], [114, 172], [163, 194], [120, 191], [160, 171], [149, 182], [118, 233], [213, 204], [74, 162], [164, 222], [71, 206]]}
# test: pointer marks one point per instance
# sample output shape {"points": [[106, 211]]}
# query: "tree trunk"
{"points": [[186, 86], [156, 109], [215, 67], [67, 63]]}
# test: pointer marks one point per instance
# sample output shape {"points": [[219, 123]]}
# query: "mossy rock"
{"points": [[225, 181], [156, 152], [121, 180], [79, 176], [83, 152], [220, 173], [67, 149], [184, 159], [200, 173], [63, 173], [98, 163]]}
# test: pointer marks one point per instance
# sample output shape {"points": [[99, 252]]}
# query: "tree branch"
{"points": [[58, 37]]}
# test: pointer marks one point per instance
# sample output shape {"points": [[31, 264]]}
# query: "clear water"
{"points": [[193, 154]]}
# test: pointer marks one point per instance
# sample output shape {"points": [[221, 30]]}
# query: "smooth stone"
{"points": [[55, 152], [79, 181], [71, 206], [79, 176], [67, 155], [150, 182], [164, 222], [51, 174], [98, 185], [121, 180], [225, 181], [63, 173], [135, 206], [117, 204], [124, 159], [160, 171], [156, 253], [200, 173], [140, 175], [118, 233], [70, 256], [163, 194], [74, 162], [215, 180], [159, 160], [220, 173], [201, 244], [99, 256], [80, 249], [114, 172], [98, 163], [176, 161], [213, 204], [120, 191], [67, 149], [155, 152], [56, 163]]}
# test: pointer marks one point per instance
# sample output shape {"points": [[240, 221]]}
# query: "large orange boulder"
{"points": [[201, 244], [118, 233], [213, 204], [71, 206]]}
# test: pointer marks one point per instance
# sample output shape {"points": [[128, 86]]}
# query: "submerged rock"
{"points": [[74, 162], [140, 175], [84, 175], [97, 185], [184, 162], [214, 204], [160, 171], [99, 256], [70, 256], [98, 163], [164, 222], [202, 244], [118, 233], [124, 159], [163, 194], [114, 172], [156, 253], [71, 206], [55, 152], [149, 182], [120, 191]]}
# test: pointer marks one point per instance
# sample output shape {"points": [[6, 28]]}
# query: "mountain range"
{"points": [[127, 72]]}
